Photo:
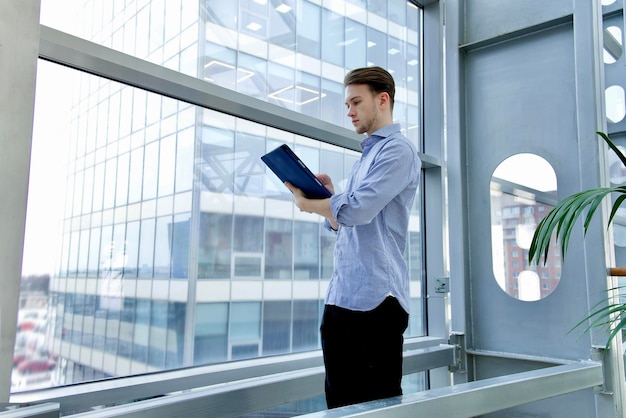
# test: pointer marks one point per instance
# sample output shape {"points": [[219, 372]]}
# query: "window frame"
{"points": [[82, 55]]}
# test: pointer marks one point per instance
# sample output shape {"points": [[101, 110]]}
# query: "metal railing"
{"points": [[45, 410], [237, 388], [481, 397], [227, 389]]}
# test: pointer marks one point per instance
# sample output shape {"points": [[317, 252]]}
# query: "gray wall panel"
{"points": [[531, 82], [521, 97], [485, 19]]}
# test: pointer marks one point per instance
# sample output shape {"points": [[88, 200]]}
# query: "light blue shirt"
{"points": [[373, 217]]}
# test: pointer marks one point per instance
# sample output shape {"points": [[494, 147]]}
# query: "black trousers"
{"points": [[363, 352]]}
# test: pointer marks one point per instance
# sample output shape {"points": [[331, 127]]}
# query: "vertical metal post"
{"points": [[19, 32]]}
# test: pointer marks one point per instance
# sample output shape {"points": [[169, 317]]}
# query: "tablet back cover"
{"points": [[288, 167]]}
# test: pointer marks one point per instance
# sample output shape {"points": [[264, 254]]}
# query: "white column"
{"points": [[19, 46]]}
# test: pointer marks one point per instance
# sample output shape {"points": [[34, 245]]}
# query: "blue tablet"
{"points": [[288, 167]]}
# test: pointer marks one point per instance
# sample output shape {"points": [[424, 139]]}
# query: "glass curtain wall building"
{"points": [[177, 247]]}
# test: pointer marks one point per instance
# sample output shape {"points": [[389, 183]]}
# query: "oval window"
{"points": [[612, 40], [614, 101], [523, 191]]}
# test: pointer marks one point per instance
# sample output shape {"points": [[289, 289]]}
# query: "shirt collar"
{"points": [[383, 132]]}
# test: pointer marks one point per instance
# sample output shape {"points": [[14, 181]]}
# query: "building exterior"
{"points": [[516, 210], [179, 247]]}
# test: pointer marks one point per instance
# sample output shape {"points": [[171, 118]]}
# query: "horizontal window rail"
{"points": [[472, 399], [257, 394], [65, 49], [45, 410], [269, 381], [83, 55]]}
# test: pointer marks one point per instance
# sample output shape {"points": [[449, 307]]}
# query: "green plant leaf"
{"points": [[616, 206], [613, 147], [619, 324], [562, 218], [610, 317], [560, 223]]}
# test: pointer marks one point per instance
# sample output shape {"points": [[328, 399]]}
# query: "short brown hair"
{"points": [[377, 78]]}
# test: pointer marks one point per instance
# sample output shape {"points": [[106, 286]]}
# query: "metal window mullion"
{"points": [[83, 55]]}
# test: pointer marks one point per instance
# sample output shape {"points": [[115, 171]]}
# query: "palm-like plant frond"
{"points": [[565, 214], [562, 218], [604, 316], [560, 221]]}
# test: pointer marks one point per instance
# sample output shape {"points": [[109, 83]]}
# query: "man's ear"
{"points": [[383, 99]]}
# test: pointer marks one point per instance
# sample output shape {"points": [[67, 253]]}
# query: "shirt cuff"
{"points": [[327, 225]]}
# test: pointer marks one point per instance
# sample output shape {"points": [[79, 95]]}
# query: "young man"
{"points": [[367, 303]]}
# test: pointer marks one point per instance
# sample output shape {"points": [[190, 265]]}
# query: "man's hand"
{"points": [[327, 182], [318, 206], [299, 199]]}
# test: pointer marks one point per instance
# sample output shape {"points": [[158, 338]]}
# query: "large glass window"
{"points": [[157, 196], [291, 53], [119, 261]]}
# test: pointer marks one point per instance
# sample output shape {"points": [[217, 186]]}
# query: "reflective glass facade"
{"points": [[292, 53], [176, 246]]}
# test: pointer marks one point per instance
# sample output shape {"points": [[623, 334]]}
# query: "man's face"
{"points": [[363, 108]]}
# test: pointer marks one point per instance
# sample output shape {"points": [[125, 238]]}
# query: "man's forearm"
{"points": [[320, 207]]}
